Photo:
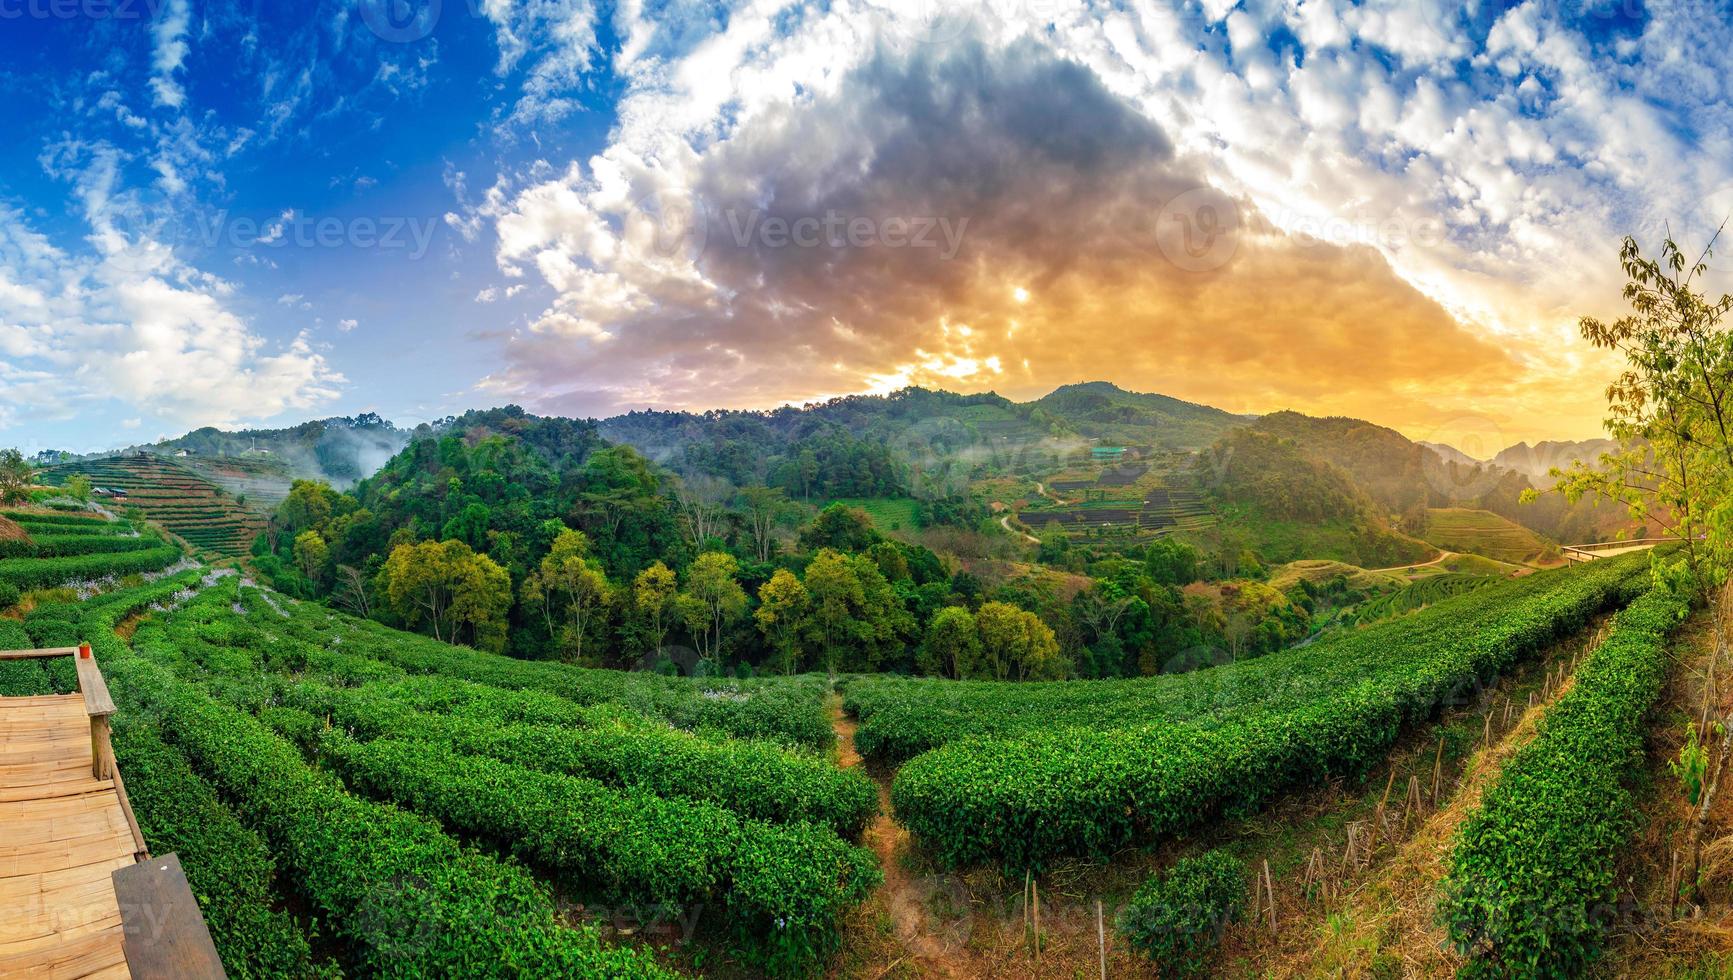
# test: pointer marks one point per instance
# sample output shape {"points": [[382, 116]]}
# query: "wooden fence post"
{"points": [[1101, 937]]}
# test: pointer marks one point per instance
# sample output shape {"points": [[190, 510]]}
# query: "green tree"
{"points": [[842, 528], [952, 646], [653, 595], [447, 586], [311, 555], [1017, 645], [782, 608], [570, 588], [78, 487], [855, 617], [764, 509], [309, 505], [1671, 409], [17, 476], [711, 601]]}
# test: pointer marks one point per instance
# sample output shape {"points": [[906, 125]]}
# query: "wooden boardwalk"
{"points": [[65, 829], [1607, 549]]}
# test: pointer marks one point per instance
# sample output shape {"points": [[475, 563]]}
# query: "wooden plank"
{"points": [[43, 947], [45, 652], [89, 953], [67, 854], [97, 703], [78, 783], [165, 931]]}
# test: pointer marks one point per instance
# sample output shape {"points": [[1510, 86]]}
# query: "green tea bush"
{"points": [[228, 866], [33, 573], [406, 899], [791, 883], [758, 780], [1177, 918], [1322, 712], [1533, 885]]}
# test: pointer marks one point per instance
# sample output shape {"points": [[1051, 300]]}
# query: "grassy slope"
{"points": [[1481, 532], [1338, 540], [888, 513]]}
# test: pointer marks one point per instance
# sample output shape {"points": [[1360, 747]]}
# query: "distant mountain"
{"points": [[1406, 478], [1534, 461], [1103, 410], [1450, 454], [338, 450]]}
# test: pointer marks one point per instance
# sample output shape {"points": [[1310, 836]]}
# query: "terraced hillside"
{"points": [[210, 518], [1481, 532], [261, 481]]}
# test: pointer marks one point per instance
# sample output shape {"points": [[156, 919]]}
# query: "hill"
{"points": [[927, 440], [1106, 412], [1288, 505], [208, 517], [1481, 532], [339, 451], [1450, 454]]}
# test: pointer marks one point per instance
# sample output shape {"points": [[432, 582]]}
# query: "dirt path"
{"points": [[1442, 556], [1005, 522], [901, 896]]}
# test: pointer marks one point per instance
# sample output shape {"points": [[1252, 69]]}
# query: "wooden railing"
{"points": [[99, 707], [1588, 552]]}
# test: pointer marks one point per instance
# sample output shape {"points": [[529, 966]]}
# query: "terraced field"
{"points": [[262, 480], [208, 517], [1481, 532]]}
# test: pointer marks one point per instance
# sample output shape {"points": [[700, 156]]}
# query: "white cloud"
{"points": [[346, 325], [133, 323], [1499, 197], [169, 49]]}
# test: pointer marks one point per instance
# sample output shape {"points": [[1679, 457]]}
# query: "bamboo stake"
{"points": [[1437, 771], [1101, 938], [1270, 891], [1486, 735], [1035, 890], [1026, 880], [1411, 802]]}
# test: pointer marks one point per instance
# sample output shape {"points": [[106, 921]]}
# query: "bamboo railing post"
{"points": [[1270, 893], [1101, 938], [1437, 771]]}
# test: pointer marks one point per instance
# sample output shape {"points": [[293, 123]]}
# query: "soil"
{"points": [[925, 922]]}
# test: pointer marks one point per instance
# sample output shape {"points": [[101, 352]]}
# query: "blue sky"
{"points": [[256, 213]]}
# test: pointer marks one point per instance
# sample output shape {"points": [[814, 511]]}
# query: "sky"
{"points": [[251, 213]]}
